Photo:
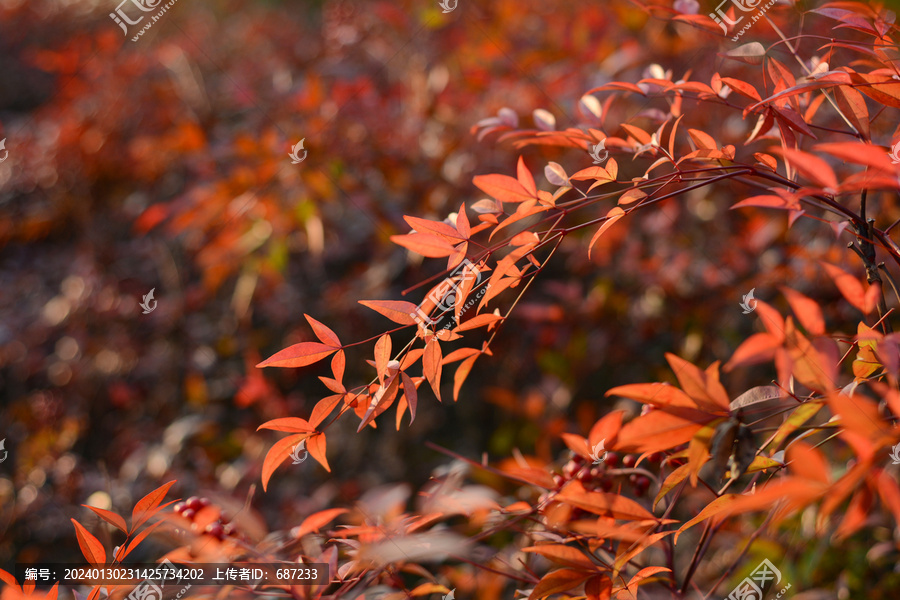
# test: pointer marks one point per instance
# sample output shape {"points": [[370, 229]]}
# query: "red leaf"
{"points": [[278, 453], [502, 187], [316, 521], [612, 216], [146, 506], [807, 311], [397, 311], [757, 348], [137, 540], [110, 517], [526, 179], [461, 373], [479, 321], [810, 166], [316, 447], [299, 355], [382, 356], [288, 425], [432, 366], [412, 395], [742, 88], [325, 335], [90, 546], [425, 244], [849, 286], [438, 227]]}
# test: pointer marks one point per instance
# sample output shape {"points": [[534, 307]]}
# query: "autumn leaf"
{"points": [[110, 517], [147, 506], [299, 355], [90, 546], [397, 311]]}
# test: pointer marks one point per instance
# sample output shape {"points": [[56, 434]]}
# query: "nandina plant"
{"points": [[802, 453]]}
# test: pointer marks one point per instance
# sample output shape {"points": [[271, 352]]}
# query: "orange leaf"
{"points": [[807, 311], [146, 506], [598, 587], [325, 335], [807, 462], [438, 227], [719, 505], [703, 139], [462, 371], [742, 88], [278, 453], [431, 365], [397, 311], [657, 394], [411, 395], [526, 179], [598, 173], [90, 546], [612, 216], [299, 355], [757, 348], [138, 539], [322, 409], [607, 428], [316, 447], [425, 244], [564, 555], [811, 166], [502, 187], [674, 478], [479, 321], [316, 521], [702, 386], [558, 581], [110, 517], [661, 429], [849, 286], [382, 355], [602, 503], [288, 425]]}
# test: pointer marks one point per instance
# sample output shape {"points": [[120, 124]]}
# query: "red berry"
{"points": [[179, 507], [628, 461], [596, 472], [216, 530], [577, 459], [204, 502], [606, 484], [656, 457], [570, 469], [558, 480], [611, 460], [194, 503], [584, 475], [189, 513]]}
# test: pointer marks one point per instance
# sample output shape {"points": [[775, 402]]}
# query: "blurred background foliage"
{"points": [[163, 164]]}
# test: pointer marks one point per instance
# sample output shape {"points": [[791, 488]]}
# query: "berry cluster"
{"points": [[597, 476], [189, 509]]}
